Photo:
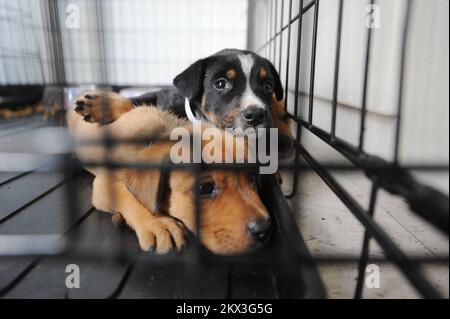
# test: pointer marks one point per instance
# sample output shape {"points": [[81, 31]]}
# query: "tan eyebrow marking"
{"points": [[203, 102], [262, 73], [231, 73]]}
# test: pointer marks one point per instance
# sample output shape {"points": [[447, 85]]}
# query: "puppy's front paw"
{"points": [[162, 234], [89, 107], [101, 107]]}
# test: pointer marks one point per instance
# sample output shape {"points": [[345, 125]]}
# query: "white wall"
{"points": [[150, 42], [147, 42], [424, 134]]}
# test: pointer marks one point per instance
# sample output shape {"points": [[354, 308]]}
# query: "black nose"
{"points": [[260, 228], [254, 115]]}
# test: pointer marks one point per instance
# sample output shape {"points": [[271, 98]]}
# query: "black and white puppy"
{"points": [[231, 89]]}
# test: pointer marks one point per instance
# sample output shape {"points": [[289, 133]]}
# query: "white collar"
{"points": [[188, 110]]}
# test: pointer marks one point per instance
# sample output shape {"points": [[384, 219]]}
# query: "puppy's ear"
{"points": [[278, 90], [190, 81], [148, 186]]}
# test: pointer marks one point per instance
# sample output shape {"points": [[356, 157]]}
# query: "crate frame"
{"points": [[390, 176], [425, 201]]}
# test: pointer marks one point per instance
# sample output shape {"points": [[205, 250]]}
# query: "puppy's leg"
{"points": [[102, 106], [153, 231]]}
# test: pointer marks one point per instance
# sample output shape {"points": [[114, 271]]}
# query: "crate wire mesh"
{"points": [[267, 35], [389, 175], [199, 265]]}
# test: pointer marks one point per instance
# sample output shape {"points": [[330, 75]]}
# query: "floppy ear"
{"points": [[190, 81], [147, 186], [278, 90]]}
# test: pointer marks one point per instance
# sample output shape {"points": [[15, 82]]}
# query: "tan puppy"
{"points": [[157, 207]]}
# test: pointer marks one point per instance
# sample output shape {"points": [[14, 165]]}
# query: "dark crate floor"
{"points": [[35, 202]]}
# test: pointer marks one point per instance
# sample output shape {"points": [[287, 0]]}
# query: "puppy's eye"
{"points": [[207, 189], [221, 84], [268, 86]]}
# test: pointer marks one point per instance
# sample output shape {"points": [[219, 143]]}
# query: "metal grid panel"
{"points": [[276, 41], [392, 176], [287, 257]]}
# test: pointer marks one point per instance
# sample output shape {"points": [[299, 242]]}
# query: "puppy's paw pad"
{"points": [[92, 108], [102, 106], [83, 106]]}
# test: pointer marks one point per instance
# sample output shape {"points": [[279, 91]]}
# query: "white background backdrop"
{"points": [[146, 42]]}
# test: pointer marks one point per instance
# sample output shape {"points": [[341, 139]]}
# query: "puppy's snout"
{"points": [[260, 228], [254, 115]]}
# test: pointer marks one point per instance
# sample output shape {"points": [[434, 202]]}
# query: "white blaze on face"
{"points": [[248, 97]]}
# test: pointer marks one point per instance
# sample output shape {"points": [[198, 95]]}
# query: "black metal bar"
{"points": [[401, 78], [336, 69], [362, 125], [365, 247], [49, 43], [194, 258], [251, 7], [297, 83], [369, 167], [293, 246], [263, 257], [37, 43], [288, 54], [313, 63], [297, 62], [280, 60], [275, 32], [271, 37], [26, 57], [99, 9], [57, 42], [427, 202], [308, 6], [409, 269]]}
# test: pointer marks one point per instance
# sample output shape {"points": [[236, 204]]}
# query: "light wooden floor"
{"points": [[329, 228]]}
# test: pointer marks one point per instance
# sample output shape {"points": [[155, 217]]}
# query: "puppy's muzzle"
{"points": [[253, 115], [259, 229]]}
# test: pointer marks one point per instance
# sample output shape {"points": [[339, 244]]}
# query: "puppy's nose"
{"points": [[254, 115], [260, 228]]}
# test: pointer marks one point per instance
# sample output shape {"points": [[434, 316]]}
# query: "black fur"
{"points": [[169, 99], [197, 83]]}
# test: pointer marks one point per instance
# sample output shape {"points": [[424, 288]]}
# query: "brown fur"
{"points": [[203, 103], [231, 74], [230, 118], [212, 117], [22, 111], [262, 73], [280, 118], [131, 193]]}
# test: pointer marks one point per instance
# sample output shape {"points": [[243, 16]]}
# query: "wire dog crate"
{"points": [[37, 241]]}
